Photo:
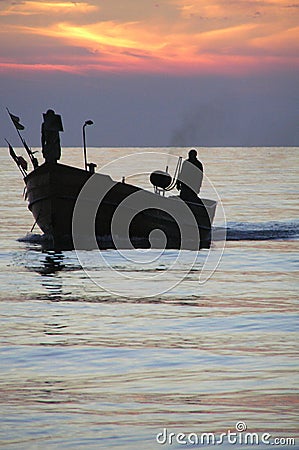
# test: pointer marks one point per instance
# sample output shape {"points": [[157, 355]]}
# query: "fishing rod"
{"points": [[19, 160], [18, 126]]}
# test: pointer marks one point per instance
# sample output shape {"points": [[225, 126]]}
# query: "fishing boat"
{"points": [[82, 209]]}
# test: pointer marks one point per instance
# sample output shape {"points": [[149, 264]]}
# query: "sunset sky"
{"points": [[154, 72]]}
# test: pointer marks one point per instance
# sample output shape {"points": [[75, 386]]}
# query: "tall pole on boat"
{"points": [[87, 122]]}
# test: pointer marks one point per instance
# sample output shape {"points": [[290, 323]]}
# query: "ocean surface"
{"points": [[150, 349]]}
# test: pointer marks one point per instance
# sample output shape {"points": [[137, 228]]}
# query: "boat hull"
{"points": [[54, 194]]}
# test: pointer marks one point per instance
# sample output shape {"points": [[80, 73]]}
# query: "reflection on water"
{"points": [[267, 274], [84, 369], [85, 373], [52, 264]]}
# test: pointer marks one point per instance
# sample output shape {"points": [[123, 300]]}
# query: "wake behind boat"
{"points": [[78, 208]]}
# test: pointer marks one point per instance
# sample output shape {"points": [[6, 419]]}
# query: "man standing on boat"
{"points": [[51, 127], [190, 178]]}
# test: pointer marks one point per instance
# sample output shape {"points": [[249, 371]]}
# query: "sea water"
{"points": [[142, 349]]}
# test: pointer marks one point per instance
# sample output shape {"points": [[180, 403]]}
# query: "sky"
{"points": [[153, 72]]}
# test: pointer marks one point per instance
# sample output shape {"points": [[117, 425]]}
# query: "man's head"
{"points": [[192, 153]]}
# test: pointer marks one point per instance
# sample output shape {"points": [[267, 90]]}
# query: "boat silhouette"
{"points": [[53, 191], [81, 209]]}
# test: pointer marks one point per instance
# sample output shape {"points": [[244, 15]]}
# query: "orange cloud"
{"points": [[187, 35], [285, 42], [29, 8]]}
